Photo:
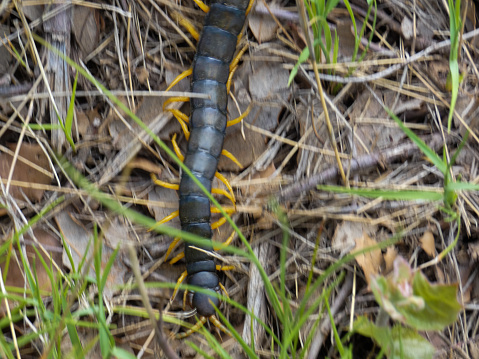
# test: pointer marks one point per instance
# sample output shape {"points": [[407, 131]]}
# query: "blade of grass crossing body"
{"points": [[118, 208]]}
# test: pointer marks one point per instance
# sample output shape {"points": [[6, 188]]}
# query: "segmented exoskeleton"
{"points": [[211, 67]]}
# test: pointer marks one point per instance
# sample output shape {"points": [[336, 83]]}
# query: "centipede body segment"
{"points": [[211, 67]]}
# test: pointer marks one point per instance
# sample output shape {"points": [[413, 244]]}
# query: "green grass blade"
{"points": [[399, 195], [122, 353], [430, 154], [69, 116]]}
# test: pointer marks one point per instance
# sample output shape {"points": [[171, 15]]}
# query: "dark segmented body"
{"points": [[215, 51]]}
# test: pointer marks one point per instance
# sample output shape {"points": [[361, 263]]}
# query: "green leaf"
{"points": [[463, 186], [122, 353], [406, 195], [303, 57], [407, 296], [397, 342]]}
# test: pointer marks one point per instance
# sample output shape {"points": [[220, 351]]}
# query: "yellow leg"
{"points": [[172, 247], [177, 149], [222, 220], [226, 183], [224, 290], [234, 66], [224, 268], [180, 77], [189, 27], [225, 243], [224, 193], [177, 258], [161, 183], [239, 119], [229, 155], [175, 99], [202, 5], [166, 219], [179, 116], [177, 286]]}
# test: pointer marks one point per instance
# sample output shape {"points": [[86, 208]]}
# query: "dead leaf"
{"points": [[344, 238], [373, 129], [389, 257], [428, 243], [369, 262], [86, 29], [32, 167], [78, 237], [261, 24]]}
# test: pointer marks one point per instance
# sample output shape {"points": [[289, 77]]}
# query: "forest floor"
{"points": [[76, 197]]}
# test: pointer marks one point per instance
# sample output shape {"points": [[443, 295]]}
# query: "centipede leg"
{"points": [[172, 247], [177, 286], [180, 77], [240, 118], [229, 155], [218, 324], [201, 322]]}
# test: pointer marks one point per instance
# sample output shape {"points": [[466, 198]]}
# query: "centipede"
{"points": [[216, 48]]}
